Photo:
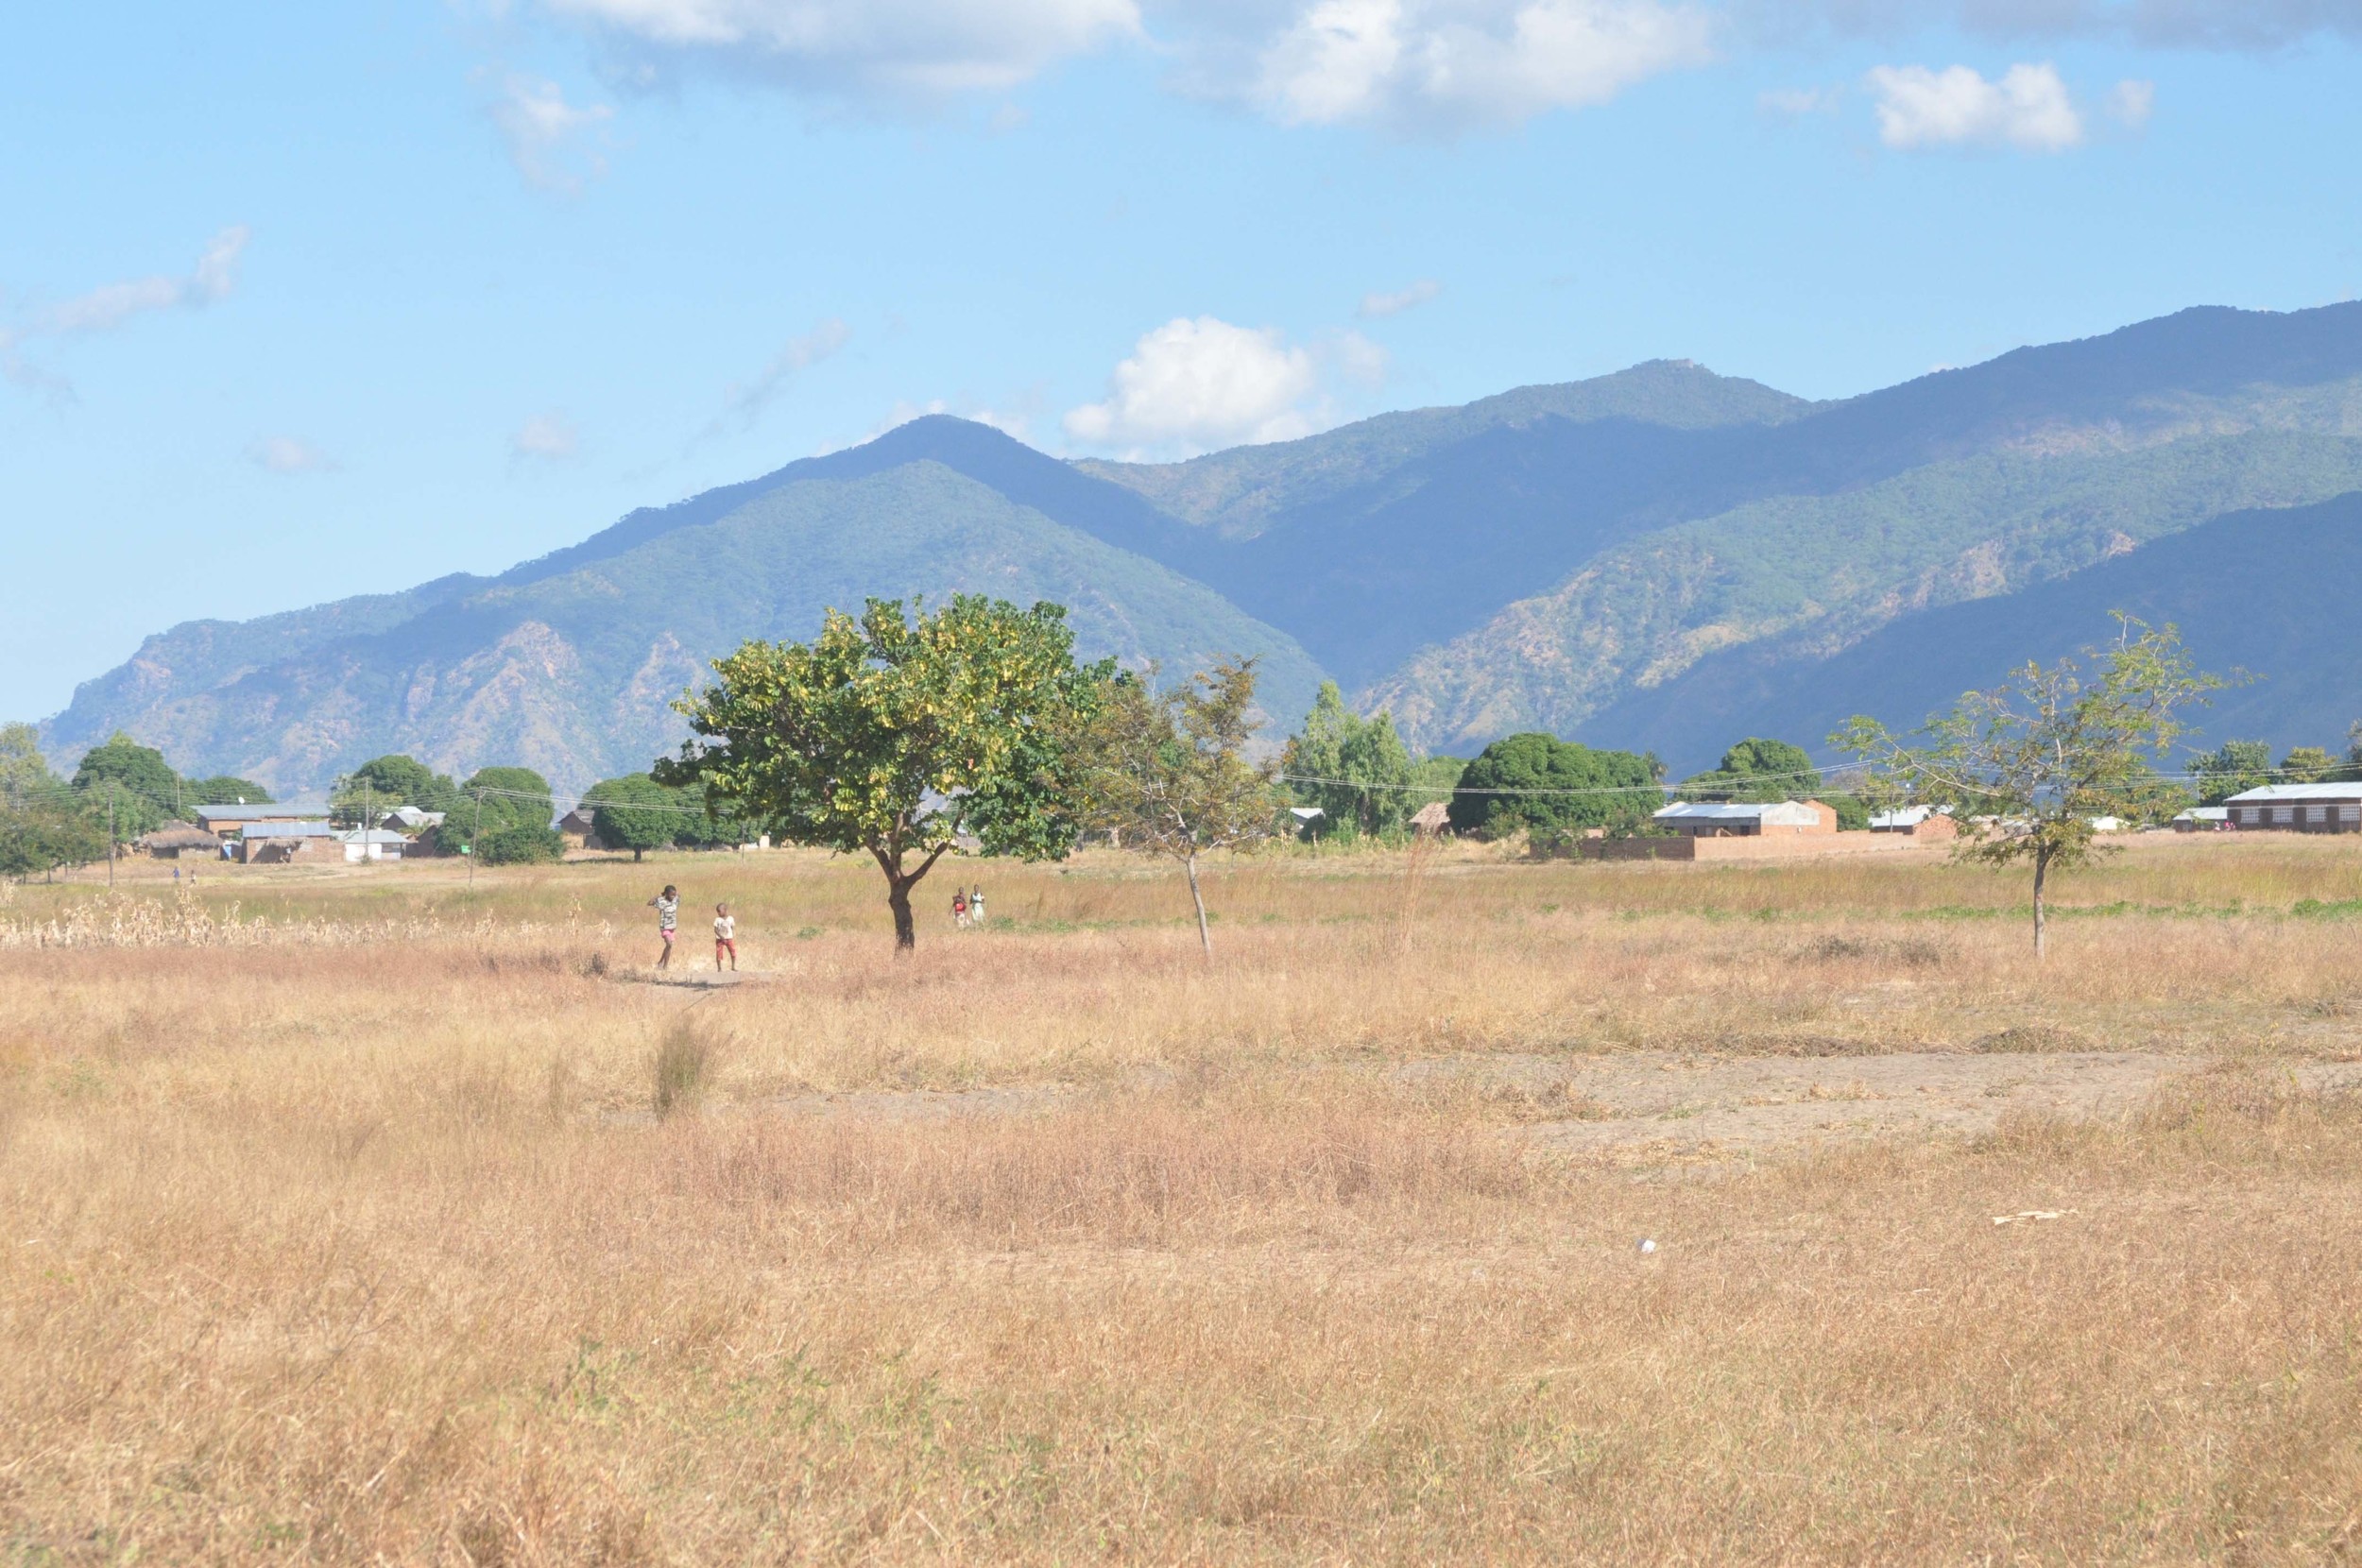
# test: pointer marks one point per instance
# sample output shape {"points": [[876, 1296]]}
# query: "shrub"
{"points": [[523, 844], [684, 1064]]}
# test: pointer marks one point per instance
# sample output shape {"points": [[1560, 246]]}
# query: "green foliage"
{"points": [[1167, 771], [899, 736], [2028, 764], [383, 783], [636, 812], [46, 831], [223, 790], [1616, 787], [1757, 770], [22, 769], [493, 800], [520, 843], [145, 791], [2232, 768], [1364, 758], [2306, 765]]}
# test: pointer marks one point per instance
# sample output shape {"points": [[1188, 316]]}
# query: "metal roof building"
{"points": [[2299, 807]]}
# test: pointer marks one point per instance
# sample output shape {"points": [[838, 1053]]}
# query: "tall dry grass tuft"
{"points": [[682, 1069]]}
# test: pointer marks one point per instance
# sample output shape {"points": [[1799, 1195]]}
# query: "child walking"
{"points": [[667, 906], [725, 937]]}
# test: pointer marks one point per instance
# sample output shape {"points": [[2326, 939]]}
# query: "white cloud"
{"points": [[1378, 306], [541, 128], [107, 308], [2028, 108], [911, 48], [551, 437], [1451, 64], [747, 399], [2131, 103], [289, 455], [1196, 383]]}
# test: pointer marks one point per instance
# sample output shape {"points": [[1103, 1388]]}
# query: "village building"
{"points": [[232, 819], [176, 839], [1737, 819], [1431, 820], [372, 843], [1918, 822], [409, 819], [2204, 819], [282, 843], [2299, 807]]}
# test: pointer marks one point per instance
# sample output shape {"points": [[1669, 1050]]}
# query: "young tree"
{"points": [[22, 769], [902, 737], [2028, 765], [1361, 763], [635, 812], [1169, 775]]}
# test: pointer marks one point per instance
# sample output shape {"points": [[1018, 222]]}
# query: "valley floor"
{"points": [[358, 1215]]}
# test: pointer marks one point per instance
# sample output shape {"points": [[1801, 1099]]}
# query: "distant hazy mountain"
{"points": [[1630, 559]]}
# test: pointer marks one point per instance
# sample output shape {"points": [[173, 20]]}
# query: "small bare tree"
{"points": [[2028, 765], [1169, 773]]}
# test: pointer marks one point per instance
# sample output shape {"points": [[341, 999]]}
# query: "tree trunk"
{"points": [[635, 857], [1204, 937], [905, 929], [2042, 872]]}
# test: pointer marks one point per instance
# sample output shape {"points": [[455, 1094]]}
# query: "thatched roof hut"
{"points": [[173, 838], [1433, 817]]}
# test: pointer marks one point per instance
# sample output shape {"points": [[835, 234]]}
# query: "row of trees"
{"points": [[2237, 766], [119, 790]]}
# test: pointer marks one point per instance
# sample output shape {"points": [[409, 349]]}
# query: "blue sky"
{"points": [[298, 302]]}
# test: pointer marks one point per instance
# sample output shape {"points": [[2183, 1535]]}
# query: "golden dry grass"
{"points": [[354, 1237]]}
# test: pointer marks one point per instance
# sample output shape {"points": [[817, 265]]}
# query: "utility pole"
{"points": [[112, 786], [473, 846], [369, 817]]}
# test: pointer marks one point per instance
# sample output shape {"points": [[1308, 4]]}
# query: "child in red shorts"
{"points": [[725, 936]]}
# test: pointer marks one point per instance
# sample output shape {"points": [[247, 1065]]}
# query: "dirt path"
{"points": [[1659, 1103]]}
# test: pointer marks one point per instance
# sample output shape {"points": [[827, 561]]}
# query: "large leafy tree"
{"points": [[2232, 768], [223, 788], [636, 812], [1538, 781], [43, 830], [2028, 765], [904, 734], [1756, 770], [1355, 769], [138, 783], [24, 771], [493, 800], [384, 783], [1169, 774]]}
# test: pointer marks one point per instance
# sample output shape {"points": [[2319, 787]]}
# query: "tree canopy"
{"points": [[904, 734], [1756, 770], [223, 788], [1362, 763], [1575, 787], [636, 812], [2232, 768], [2028, 766], [383, 783], [141, 785]]}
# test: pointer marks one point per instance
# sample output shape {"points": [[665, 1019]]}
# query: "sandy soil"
{"points": [[1655, 1102]]}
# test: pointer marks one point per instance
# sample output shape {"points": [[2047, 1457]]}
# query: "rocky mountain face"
{"points": [[1661, 557]]}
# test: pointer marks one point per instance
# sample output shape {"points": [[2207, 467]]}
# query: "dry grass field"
{"points": [[359, 1215]]}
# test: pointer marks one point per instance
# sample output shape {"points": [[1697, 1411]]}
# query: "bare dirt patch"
{"points": [[1651, 1102]]}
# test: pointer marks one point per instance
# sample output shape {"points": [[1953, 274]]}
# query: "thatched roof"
{"points": [[1433, 817], [179, 835]]}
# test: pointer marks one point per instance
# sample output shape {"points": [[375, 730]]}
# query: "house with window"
{"points": [[2299, 807]]}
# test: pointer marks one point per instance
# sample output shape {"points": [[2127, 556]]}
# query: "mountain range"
{"points": [[1664, 557]]}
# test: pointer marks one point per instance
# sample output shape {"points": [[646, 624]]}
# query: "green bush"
{"points": [[521, 845]]}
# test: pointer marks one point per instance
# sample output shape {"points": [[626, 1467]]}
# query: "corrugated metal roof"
{"points": [[1780, 813], [290, 830], [2281, 794], [252, 813]]}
